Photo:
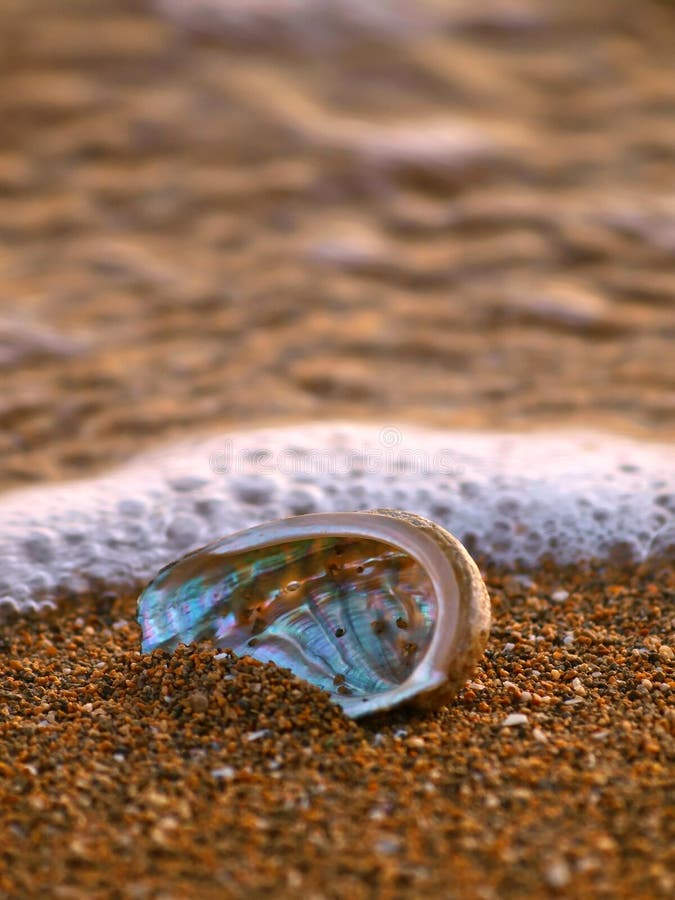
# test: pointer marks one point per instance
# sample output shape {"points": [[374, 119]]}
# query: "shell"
{"points": [[378, 608]]}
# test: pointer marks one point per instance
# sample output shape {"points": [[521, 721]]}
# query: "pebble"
{"points": [[558, 874], [257, 735], [578, 687], [199, 701], [224, 772], [514, 719]]}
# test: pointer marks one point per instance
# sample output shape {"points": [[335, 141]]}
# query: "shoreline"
{"points": [[506, 496]]}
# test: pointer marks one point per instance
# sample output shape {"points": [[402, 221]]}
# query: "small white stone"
{"points": [[560, 596], [514, 719], [226, 772], [256, 735], [557, 874], [578, 687]]}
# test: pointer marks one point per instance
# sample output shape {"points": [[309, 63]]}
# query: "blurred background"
{"points": [[219, 213]]}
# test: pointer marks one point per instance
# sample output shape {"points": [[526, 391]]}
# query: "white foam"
{"points": [[509, 497]]}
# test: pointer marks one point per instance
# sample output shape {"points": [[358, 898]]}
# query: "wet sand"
{"points": [[189, 776], [209, 233]]}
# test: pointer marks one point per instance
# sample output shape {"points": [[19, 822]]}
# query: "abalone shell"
{"points": [[367, 606]]}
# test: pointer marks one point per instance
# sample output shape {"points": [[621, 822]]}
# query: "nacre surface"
{"points": [[378, 609]]}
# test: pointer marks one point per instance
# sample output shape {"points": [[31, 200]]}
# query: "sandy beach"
{"points": [[186, 776], [284, 213]]}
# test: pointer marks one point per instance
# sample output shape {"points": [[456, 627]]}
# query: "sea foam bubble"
{"points": [[509, 497]]}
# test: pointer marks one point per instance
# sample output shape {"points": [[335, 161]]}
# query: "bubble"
{"points": [[252, 489], [134, 509], [300, 502], [183, 531], [186, 483], [38, 547]]}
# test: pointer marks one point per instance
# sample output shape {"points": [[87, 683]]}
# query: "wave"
{"points": [[511, 498]]}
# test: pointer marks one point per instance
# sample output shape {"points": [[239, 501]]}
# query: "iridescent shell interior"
{"points": [[351, 614]]}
